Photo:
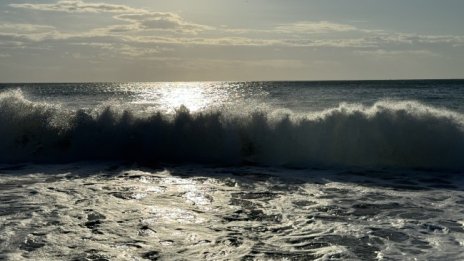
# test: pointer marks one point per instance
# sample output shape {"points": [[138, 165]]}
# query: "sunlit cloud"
{"points": [[28, 32], [395, 53], [78, 6], [170, 24], [161, 21], [172, 38], [127, 33], [314, 27], [122, 49], [138, 19]]}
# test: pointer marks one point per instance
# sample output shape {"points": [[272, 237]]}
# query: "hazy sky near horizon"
{"points": [[181, 40]]}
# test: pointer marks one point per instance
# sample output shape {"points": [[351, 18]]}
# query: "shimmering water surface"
{"points": [[196, 96], [232, 171], [112, 212]]}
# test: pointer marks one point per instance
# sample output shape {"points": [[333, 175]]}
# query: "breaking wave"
{"points": [[387, 134]]}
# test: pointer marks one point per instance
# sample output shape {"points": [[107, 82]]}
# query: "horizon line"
{"points": [[194, 81]]}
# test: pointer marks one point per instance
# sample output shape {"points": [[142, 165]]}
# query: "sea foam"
{"points": [[405, 134]]}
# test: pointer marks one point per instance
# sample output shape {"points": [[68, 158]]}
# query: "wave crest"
{"points": [[387, 134]]}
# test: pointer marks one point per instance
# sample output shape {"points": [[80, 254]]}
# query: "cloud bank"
{"points": [[125, 32], [78, 6]]}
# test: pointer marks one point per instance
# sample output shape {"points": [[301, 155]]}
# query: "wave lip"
{"points": [[404, 134]]}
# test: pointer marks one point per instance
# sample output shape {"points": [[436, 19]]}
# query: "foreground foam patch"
{"points": [[84, 211]]}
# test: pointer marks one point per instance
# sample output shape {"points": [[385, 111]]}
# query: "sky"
{"points": [[234, 40]]}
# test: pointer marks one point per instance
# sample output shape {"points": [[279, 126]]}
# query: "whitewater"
{"points": [[360, 170]]}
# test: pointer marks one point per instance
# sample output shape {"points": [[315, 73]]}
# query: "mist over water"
{"points": [[242, 171]]}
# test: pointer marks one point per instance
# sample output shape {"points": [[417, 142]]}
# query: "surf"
{"points": [[396, 134]]}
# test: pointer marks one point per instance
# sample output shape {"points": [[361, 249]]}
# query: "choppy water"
{"points": [[232, 171], [113, 212], [244, 96]]}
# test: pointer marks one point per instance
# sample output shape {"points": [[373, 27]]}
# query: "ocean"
{"points": [[329, 170]]}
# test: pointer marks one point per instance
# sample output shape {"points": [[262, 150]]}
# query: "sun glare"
{"points": [[169, 97], [189, 95]]}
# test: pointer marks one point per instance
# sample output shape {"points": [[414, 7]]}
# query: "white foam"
{"points": [[387, 134]]}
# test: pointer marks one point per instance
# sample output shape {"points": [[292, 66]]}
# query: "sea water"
{"points": [[348, 170]]}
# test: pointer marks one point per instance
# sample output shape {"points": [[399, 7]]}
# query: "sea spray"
{"points": [[403, 134]]}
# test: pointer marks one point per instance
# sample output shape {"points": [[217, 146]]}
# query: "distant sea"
{"points": [[329, 170]]}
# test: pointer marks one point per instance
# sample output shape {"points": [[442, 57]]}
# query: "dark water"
{"points": [[362, 170], [298, 96]]}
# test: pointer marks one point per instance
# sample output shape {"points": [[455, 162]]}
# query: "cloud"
{"points": [[162, 21], [78, 6], [213, 64], [25, 28], [298, 28], [411, 39], [138, 19], [27, 32], [314, 27], [144, 34], [169, 23], [336, 43], [245, 41], [125, 50], [213, 41], [382, 53]]}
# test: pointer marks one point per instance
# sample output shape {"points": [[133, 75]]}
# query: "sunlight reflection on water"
{"points": [[169, 97], [233, 213]]}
